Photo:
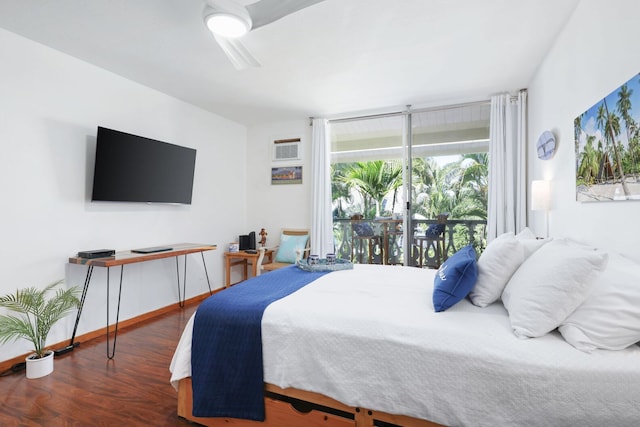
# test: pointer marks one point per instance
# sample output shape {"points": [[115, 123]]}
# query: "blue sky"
{"points": [[589, 126]]}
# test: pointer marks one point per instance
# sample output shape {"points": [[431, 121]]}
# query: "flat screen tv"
{"points": [[130, 168]]}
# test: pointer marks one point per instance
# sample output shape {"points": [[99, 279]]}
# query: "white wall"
{"points": [[277, 206], [595, 54], [50, 106]]}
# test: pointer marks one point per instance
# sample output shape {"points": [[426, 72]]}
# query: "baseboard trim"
{"points": [[100, 333]]}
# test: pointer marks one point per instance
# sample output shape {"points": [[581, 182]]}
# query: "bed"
{"points": [[365, 347]]}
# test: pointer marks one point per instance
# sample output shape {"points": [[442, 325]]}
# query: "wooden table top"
{"points": [[129, 257], [243, 254]]}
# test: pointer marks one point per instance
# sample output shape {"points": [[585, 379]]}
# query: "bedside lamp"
{"points": [[541, 199]]}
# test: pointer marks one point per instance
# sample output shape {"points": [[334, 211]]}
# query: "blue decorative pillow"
{"points": [[455, 279], [435, 230], [289, 245], [363, 229]]}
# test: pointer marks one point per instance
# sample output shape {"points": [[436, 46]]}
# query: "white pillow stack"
{"points": [[610, 316], [530, 242], [549, 286], [591, 297], [501, 258]]}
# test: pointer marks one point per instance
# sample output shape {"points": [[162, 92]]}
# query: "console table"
{"points": [[129, 257]]}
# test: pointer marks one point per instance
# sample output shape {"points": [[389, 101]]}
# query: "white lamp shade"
{"points": [[540, 195]]}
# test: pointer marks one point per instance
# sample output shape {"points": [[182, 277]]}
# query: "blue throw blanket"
{"points": [[226, 352]]}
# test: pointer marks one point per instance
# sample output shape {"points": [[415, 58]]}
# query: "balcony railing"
{"points": [[386, 244]]}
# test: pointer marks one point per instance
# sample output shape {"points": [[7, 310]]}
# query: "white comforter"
{"points": [[369, 337]]}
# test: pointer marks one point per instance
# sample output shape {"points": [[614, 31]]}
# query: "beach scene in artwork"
{"points": [[607, 143]]}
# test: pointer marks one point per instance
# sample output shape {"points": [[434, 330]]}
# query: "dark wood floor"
{"points": [[87, 389]]}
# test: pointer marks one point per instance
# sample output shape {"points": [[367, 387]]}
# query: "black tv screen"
{"points": [[132, 168]]}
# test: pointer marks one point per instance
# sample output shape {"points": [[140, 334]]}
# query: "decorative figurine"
{"points": [[263, 237]]}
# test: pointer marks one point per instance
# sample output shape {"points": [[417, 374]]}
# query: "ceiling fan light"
{"points": [[227, 25], [227, 18]]}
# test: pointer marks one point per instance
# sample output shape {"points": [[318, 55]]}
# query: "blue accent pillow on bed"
{"points": [[289, 247], [455, 279], [435, 230]]}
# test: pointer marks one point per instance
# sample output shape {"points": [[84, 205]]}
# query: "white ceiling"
{"points": [[334, 58]]}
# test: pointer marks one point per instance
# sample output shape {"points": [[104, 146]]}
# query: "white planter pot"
{"points": [[37, 368]]}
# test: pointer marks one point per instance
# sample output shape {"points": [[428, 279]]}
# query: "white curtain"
{"points": [[507, 207], [321, 215]]}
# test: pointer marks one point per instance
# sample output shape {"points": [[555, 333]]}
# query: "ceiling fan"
{"points": [[229, 20]]}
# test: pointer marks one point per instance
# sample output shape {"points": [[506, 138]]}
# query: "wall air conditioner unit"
{"points": [[287, 149]]}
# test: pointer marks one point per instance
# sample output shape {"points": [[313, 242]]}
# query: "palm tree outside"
{"points": [[374, 180]]}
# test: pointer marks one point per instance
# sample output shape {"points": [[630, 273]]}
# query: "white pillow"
{"points": [[549, 286], [526, 234], [610, 316], [501, 258], [530, 242]]}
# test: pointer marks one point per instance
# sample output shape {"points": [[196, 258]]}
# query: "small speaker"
{"points": [[244, 242], [252, 240]]}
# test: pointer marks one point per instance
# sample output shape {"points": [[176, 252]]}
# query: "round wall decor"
{"points": [[546, 145]]}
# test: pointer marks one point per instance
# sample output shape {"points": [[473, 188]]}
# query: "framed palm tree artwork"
{"points": [[607, 145]]}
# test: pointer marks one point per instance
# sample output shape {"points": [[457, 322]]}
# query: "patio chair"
{"points": [[362, 234], [434, 238], [293, 246]]}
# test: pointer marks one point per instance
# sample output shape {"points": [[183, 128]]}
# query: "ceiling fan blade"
{"points": [[264, 12], [237, 53]]}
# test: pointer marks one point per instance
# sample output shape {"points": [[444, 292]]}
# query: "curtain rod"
{"points": [[409, 110]]}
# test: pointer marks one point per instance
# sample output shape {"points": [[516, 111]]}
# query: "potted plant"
{"points": [[31, 314]]}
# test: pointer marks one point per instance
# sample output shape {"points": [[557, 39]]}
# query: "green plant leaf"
{"points": [[35, 314]]}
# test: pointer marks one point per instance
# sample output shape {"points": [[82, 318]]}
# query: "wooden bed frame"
{"points": [[293, 407]]}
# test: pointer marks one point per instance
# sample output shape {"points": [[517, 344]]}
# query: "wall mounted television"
{"points": [[130, 168]]}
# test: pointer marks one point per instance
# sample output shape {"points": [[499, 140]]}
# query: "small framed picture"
{"points": [[286, 175]]}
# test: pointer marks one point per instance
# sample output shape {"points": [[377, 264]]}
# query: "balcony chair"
{"points": [[361, 232], [293, 246], [434, 238], [393, 238]]}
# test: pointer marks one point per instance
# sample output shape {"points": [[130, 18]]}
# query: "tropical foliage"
{"points": [[374, 180], [35, 315], [459, 188]]}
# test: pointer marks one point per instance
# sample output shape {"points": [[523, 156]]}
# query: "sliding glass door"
{"points": [[449, 168], [367, 182], [392, 175]]}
